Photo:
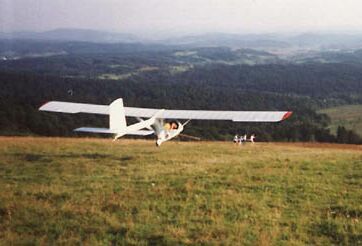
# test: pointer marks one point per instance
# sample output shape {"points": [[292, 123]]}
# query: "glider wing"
{"points": [[237, 116]]}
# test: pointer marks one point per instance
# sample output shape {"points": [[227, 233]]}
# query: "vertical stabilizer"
{"points": [[117, 118]]}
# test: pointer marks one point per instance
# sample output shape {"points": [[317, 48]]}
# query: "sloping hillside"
{"points": [[88, 191]]}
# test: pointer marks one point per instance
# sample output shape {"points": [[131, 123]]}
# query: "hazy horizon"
{"points": [[182, 17]]}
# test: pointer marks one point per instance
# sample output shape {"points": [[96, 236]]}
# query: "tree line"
{"points": [[23, 93]]}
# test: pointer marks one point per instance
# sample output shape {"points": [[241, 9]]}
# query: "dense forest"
{"points": [[204, 78]]}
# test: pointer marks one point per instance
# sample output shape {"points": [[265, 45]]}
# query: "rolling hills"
{"points": [[176, 77]]}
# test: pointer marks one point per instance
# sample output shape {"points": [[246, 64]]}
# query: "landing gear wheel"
{"points": [[158, 143]]}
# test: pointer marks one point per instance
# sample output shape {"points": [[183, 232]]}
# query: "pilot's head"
{"points": [[174, 125]]}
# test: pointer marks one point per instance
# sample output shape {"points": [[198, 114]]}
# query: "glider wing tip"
{"points": [[287, 115], [42, 107]]}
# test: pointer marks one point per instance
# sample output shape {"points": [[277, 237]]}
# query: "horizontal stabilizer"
{"points": [[141, 133], [95, 130], [109, 131]]}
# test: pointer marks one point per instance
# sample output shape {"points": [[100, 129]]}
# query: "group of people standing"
{"points": [[243, 139]]}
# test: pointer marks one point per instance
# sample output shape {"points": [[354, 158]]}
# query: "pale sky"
{"points": [[148, 16]]}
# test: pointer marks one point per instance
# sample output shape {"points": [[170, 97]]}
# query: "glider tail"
{"points": [[117, 118]]}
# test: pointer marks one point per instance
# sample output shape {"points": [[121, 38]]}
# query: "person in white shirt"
{"points": [[236, 139], [252, 137]]}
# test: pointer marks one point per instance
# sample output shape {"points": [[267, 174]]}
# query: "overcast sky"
{"points": [[148, 16]]}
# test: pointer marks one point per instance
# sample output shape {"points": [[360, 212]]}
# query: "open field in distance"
{"points": [[95, 191], [349, 116]]}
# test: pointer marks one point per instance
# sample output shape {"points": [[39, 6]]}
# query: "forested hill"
{"points": [[214, 78], [23, 93], [327, 81]]}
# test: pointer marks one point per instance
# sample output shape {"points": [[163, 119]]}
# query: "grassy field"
{"points": [[349, 116], [94, 191]]}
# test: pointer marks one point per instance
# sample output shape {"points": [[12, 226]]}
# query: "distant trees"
{"points": [[28, 83], [347, 136], [23, 93]]}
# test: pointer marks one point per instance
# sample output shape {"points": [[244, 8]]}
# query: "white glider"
{"points": [[155, 123]]}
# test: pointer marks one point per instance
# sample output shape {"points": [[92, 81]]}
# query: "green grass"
{"points": [[75, 191], [349, 116]]}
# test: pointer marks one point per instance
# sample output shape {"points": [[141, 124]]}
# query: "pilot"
{"points": [[167, 126], [174, 125], [236, 139], [170, 125]]}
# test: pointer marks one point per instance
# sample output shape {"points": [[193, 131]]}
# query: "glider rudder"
{"points": [[117, 118]]}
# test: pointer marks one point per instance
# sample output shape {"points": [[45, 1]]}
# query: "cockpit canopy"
{"points": [[172, 125]]}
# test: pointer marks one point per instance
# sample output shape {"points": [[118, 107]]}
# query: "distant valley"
{"points": [[305, 73]]}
